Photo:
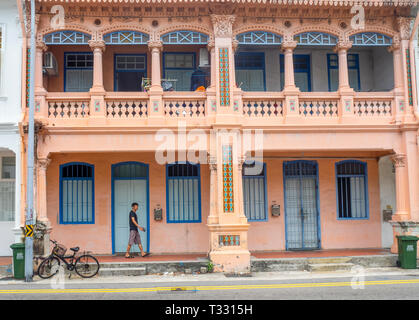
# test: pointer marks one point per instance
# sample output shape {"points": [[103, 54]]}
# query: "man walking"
{"points": [[134, 236]]}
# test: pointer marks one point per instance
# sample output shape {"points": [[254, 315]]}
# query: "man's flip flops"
{"points": [[147, 254]]}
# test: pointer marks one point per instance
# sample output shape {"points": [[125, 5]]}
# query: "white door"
{"points": [[125, 193]]}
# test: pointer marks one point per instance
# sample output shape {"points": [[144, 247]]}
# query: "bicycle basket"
{"points": [[60, 250]]}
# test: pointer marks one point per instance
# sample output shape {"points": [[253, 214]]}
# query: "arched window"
{"points": [[77, 193], [315, 39], [259, 38], [183, 193], [67, 38], [254, 191], [184, 37], [352, 189], [126, 38], [370, 39]]}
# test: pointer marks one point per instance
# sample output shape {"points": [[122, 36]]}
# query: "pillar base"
{"points": [[403, 228], [231, 261]]}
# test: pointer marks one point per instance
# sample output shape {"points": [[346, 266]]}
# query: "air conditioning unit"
{"points": [[50, 65]]}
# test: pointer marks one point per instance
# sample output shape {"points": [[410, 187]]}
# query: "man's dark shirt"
{"points": [[132, 226]]}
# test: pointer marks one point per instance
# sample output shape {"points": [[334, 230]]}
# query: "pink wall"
{"points": [[334, 233], [194, 237], [164, 238]]}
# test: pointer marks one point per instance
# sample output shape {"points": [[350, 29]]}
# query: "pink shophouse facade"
{"points": [[287, 107]]}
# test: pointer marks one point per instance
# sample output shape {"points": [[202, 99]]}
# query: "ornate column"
{"points": [[42, 211], [288, 49], [212, 89], [226, 105], [155, 105], [97, 108], [211, 49], [346, 103], [155, 46], [228, 231], [342, 50], [39, 55], [41, 107], [402, 187], [98, 47], [400, 103], [291, 107]]}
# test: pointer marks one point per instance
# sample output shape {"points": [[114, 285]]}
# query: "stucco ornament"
{"points": [[404, 27], [399, 160], [155, 44], [223, 25], [97, 44], [43, 163], [343, 45]]}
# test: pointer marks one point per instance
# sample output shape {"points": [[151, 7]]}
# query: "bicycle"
{"points": [[86, 265]]}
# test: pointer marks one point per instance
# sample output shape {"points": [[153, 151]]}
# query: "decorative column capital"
{"points": [[43, 163], [97, 45], [223, 25], [211, 45], [394, 47], [399, 160], [235, 44], [342, 46], [289, 45], [40, 45], [155, 45], [404, 27]]}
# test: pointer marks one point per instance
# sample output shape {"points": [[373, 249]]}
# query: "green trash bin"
{"points": [[18, 260], [407, 246]]}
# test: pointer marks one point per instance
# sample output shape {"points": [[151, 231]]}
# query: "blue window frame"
{"points": [[370, 39], [302, 71], [315, 39], [250, 71], [77, 193], [352, 189], [126, 38], [179, 66], [184, 37], [78, 71], [259, 38], [129, 70], [183, 193], [353, 71], [254, 191], [67, 37]]}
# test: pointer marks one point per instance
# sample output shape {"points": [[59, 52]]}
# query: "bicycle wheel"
{"points": [[49, 267], [87, 266]]}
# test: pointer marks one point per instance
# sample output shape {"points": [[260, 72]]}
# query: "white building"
{"points": [[10, 112]]}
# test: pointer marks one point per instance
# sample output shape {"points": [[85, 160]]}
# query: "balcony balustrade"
{"points": [[268, 108]]}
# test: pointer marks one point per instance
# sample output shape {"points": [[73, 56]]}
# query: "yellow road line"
{"points": [[206, 288]]}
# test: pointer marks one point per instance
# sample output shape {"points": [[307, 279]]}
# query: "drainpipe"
{"points": [[30, 154]]}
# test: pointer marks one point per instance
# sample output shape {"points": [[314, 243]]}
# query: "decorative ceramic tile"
{"points": [[292, 105], [236, 105], [228, 186], [155, 106], [213, 106], [347, 105], [229, 240], [409, 77], [97, 106], [224, 77], [37, 106]]}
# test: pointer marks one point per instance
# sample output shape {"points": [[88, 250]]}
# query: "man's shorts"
{"points": [[134, 237]]}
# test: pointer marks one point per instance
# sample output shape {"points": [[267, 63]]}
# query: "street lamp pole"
{"points": [[29, 221]]}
